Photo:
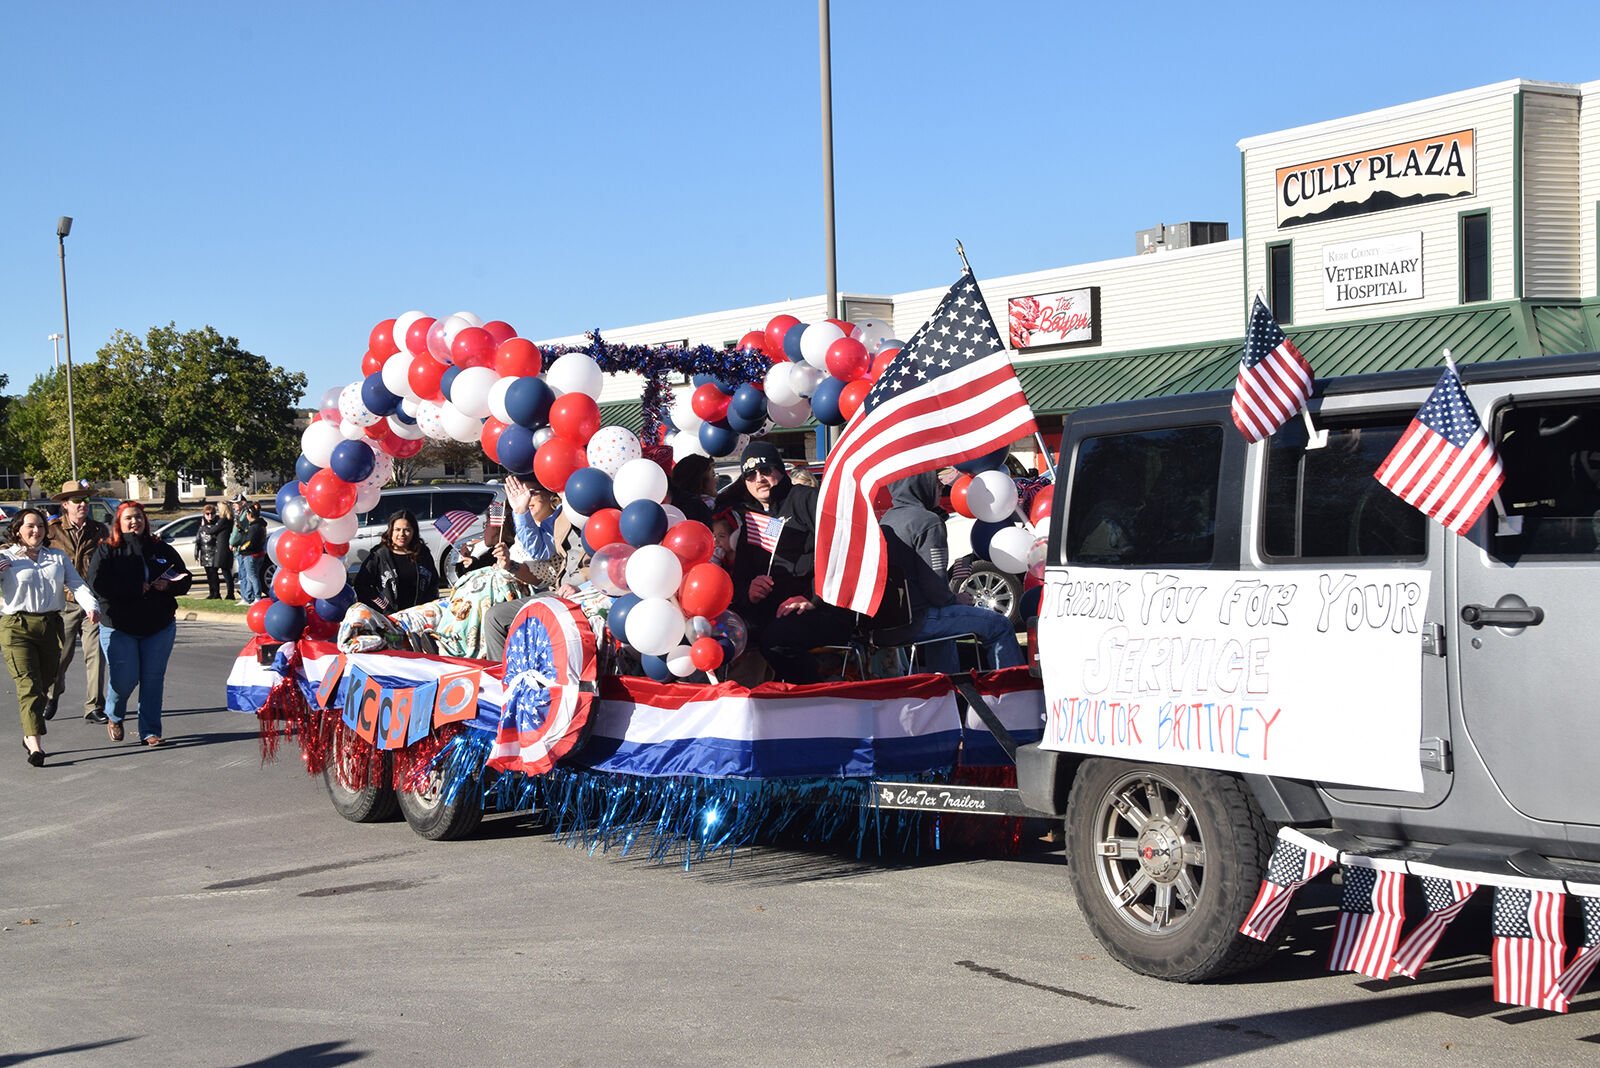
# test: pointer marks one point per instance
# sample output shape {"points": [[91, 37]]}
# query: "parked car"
{"points": [[102, 509], [427, 503], [180, 534]]}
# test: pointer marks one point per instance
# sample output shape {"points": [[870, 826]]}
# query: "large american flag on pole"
{"points": [[1372, 909], [1444, 465], [1296, 860], [950, 395], [1446, 894], [1571, 981], [1274, 379], [1529, 946]]}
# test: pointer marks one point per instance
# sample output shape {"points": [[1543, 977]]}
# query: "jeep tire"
{"points": [[1165, 862], [436, 819], [373, 803]]}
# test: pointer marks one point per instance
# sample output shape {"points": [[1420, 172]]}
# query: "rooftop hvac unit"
{"points": [[1179, 235]]}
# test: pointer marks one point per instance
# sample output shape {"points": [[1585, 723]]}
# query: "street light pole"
{"points": [[57, 339], [63, 228]]}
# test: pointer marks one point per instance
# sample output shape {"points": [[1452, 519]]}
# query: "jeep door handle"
{"points": [[1482, 615]]}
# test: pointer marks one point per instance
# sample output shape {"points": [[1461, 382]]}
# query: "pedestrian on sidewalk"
{"points": [[249, 543], [212, 552], [34, 580], [75, 534]]}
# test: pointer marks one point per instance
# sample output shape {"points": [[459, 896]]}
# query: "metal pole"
{"points": [[66, 323], [825, 437]]}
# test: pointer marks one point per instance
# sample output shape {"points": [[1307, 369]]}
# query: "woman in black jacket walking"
{"points": [[212, 552], [397, 573]]}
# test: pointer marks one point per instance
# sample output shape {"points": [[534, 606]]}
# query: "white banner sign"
{"points": [[1304, 674], [1374, 270]]}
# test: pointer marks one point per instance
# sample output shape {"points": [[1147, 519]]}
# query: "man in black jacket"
{"points": [[773, 569]]}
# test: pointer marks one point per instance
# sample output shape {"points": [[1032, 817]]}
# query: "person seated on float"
{"points": [[772, 572], [692, 487], [551, 543], [914, 529], [398, 573]]}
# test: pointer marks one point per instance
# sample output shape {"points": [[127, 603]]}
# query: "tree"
{"points": [[177, 401], [446, 454], [35, 432]]}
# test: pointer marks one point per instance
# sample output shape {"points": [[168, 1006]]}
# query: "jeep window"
{"points": [[1145, 498], [461, 500], [1325, 504], [1551, 456]]}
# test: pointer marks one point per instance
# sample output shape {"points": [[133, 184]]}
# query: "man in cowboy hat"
{"points": [[75, 534]]}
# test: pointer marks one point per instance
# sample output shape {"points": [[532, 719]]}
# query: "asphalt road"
{"points": [[190, 906]]}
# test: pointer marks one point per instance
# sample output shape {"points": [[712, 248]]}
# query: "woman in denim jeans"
{"points": [[137, 579]]}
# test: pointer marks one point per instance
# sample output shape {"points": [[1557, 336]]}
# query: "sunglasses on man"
{"points": [[770, 470]]}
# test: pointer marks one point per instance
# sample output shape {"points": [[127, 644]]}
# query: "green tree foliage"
{"points": [[176, 401], [36, 432]]}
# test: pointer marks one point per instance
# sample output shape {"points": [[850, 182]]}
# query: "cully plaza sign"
{"points": [[1377, 179]]}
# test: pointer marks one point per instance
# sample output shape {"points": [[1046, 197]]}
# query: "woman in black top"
{"points": [[398, 573], [211, 550]]}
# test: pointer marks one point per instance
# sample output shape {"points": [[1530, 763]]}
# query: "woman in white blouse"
{"points": [[33, 583]]}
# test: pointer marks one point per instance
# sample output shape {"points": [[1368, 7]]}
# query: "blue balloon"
{"points": [[656, 667], [984, 531], [643, 523], [304, 469], [285, 622], [712, 380], [1031, 598], [617, 617], [589, 490], [353, 461], [718, 439], [376, 396], [447, 379], [991, 461], [516, 449], [825, 402], [400, 414], [749, 401], [287, 491], [791, 342], [333, 608], [740, 425], [528, 402]]}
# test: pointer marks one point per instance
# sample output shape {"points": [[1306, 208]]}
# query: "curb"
{"points": [[212, 617]]}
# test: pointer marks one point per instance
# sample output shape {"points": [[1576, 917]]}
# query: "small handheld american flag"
{"points": [[1444, 465], [452, 525]]}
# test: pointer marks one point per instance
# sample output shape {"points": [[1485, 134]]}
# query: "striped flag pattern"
{"points": [[950, 395], [1371, 912], [1571, 981], [1528, 947], [763, 530], [1444, 465], [1445, 898], [452, 525], [1295, 861], [1274, 379]]}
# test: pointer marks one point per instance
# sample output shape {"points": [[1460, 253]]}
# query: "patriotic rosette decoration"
{"points": [[549, 682]]}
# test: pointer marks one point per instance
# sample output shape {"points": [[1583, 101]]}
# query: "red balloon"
{"points": [[329, 495], [754, 339], [603, 528], [847, 359], [372, 363], [842, 325], [257, 616], [297, 551], [851, 396], [706, 653], [381, 340], [576, 417], [776, 328], [403, 448], [707, 590], [473, 347], [690, 541], [417, 336], [500, 330], [710, 403], [556, 459], [958, 495], [424, 376], [518, 358], [880, 363], [490, 437], [286, 587], [336, 548], [1039, 510]]}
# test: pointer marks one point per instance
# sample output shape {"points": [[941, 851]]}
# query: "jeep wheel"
{"points": [[449, 573], [1165, 862], [437, 820], [369, 804], [989, 587]]}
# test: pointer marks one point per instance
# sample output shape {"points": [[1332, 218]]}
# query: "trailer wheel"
{"points": [[1165, 862], [437, 820], [369, 804]]}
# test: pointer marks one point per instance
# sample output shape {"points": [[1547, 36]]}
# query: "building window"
{"points": [[1280, 281], [1474, 257]]}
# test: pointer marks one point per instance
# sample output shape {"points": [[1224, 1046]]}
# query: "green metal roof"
{"points": [[624, 413], [1482, 334]]}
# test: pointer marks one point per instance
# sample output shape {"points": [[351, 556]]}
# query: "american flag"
{"points": [[950, 395], [763, 530], [452, 525], [1571, 981], [1372, 910], [1445, 898], [1444, 464], [1274, 379], [1296, 860], [1528, 947]]}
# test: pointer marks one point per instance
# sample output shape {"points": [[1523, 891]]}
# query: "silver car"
{"points": [[180, 534]]}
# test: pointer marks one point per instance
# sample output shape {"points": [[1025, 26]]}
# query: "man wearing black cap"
{"points": [[75, 534], [772, 572]]}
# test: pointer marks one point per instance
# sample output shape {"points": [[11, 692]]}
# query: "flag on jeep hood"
{"points": [[1444, 465], [1274, 379]]}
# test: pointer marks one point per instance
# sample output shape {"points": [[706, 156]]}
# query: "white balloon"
{"points": [[330, 398], [655, 625], [352, 431], [674, 515], [396, 370], [992, 496], [872, 333], [367, 497], [576, 372], [402, 326], [696, 627], [471, 318], [542, 435], [789, 415], [403, 429], [430, 416], [686, 444], [470, 390], [460, 425], [454, 324], [611, 447], [272, 545], [682, 414], [815, 341], [339, 531], [654, 571], [324, 578], [639, 480], [317, 441], [409, 406], [1009, 548], [779, 389], [353, 408], [804, 379], [680, 663], [497, 399]]}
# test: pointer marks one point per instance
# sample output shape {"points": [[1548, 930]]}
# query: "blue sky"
{"points": [[291, 173]]}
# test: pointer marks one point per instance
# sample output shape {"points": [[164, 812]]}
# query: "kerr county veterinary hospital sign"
{"points": [[1305, 674], [1377, 179], [1374, 270]]}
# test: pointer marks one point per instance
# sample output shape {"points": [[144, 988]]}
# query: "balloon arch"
{"points": [[535, 410]]}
